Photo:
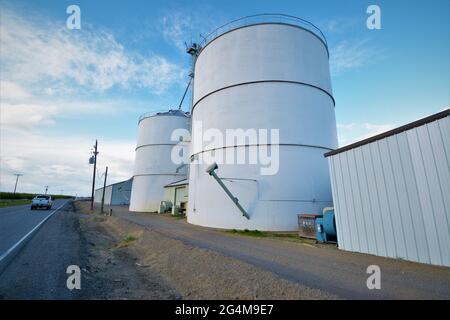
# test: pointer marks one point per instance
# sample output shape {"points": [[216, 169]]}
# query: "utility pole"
{"points": [[93, 176], [104, 187], [46, 189], [17, 179]]}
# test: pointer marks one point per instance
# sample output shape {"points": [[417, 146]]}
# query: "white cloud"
{"points": [[346, 125], [60, 162], [180, 27], [176, 28], [26, 116], [12, 91], [48, 73], [347, 55], [378, 128], [353, 132], [34, 113], [37, 51], [340, 25]]}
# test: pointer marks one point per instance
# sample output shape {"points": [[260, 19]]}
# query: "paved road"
{"points": [[38, 270], [326, 268], [17, 221]]}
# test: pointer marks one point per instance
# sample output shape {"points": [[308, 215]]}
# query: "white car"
{"points": [[41, 201]]}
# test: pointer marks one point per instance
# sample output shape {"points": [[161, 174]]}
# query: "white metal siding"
{"points": [[392, 196], [98, 195], [108, 195], [121, 193]]}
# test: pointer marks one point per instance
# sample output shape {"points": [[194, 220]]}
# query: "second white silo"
{"points": [[154, 167], [272, 75]]}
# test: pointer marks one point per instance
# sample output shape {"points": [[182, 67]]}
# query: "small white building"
{"points": [[176, 195], [391, 192], [115, 194]]}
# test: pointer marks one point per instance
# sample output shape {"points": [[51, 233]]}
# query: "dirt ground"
{"points": [[127, 261], [111, 270]]}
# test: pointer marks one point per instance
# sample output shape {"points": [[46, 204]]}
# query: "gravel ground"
{"points": [[202, 263], [322, 267], [172, 269], [112, 271]]}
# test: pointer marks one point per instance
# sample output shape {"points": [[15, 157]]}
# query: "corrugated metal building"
{"points": [[115, 194], [391, 192]]}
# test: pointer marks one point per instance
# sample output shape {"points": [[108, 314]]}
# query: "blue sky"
{"points": [[63, 88]]}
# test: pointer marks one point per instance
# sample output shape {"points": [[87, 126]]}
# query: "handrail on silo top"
{"points": [[163, 112], [263, 18]]}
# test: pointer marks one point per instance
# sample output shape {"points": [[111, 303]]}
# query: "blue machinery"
{"points": [[326, 226]]}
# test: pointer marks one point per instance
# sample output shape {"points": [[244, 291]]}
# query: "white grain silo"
{"points": [[154, 167], [271, 73]]}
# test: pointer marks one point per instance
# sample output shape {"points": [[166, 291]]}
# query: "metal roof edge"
{"points": [[112, 184], [174, 184], [409, 126]]}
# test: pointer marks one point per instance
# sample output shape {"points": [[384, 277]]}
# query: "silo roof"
{"points": [[171, 112], [264, 18]]}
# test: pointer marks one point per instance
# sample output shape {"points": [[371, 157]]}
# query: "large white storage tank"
{"points": [[271, 74], [154, 167]]}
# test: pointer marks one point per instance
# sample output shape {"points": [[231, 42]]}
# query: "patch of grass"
{"points": [[178, 216], [286, 235], [126, 241], [83, 207], [250, 233], [29, 196], [129, 238], [292, 236], [85, 211], [13, 202]]}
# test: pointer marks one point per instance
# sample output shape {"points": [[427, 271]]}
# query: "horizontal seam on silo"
{"points": [[263, 81], [164, 115], [158, 174], [263, 144], [268, 23], [157, 144], [295, 200], [274, 200]]}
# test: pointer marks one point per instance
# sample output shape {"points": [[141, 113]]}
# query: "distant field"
{"points": [[28, 196], [13, 202]]}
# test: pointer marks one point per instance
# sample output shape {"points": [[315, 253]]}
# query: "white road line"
{"points": [[3, 256]]}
